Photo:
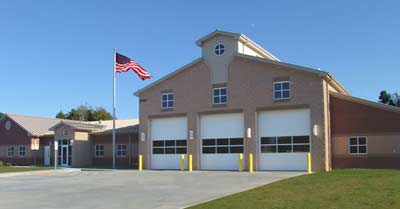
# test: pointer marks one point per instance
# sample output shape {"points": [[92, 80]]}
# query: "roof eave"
{"points": [[335, 83], [365, 102], [208, 36], [299, 67]]}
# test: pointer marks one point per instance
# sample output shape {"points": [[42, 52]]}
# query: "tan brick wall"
{"points": [[129, 161], [249, 91]]}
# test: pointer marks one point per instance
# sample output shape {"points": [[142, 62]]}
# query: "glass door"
{"points": [[64, 155]]}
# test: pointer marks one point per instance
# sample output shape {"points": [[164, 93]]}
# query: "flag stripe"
{"points": [[124, 64]]}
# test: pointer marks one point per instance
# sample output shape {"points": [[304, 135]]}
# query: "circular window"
{"points": [[65, 132], [8, 125], [219, 49]]}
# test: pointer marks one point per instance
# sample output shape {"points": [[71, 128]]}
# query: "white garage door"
{"points": [[221, 141], [169, 142], [284, 139]]}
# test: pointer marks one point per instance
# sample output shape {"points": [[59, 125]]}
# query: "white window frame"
{"points": [[22, 151], [281, 90], [292, 144], [10, 149], [220, 50], [97, 150], [164, 146], [358, 145], [120, 150], [167, 101], [216, 145], [220, 96]]}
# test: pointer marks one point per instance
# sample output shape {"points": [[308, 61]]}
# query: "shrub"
{"points": [[1, 163]]}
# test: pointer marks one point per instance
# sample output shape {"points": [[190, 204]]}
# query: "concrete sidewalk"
{"points": [[39, 172]]}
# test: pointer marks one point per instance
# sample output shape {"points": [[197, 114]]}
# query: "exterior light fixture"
{"points": [[315, 130], [191, 135], [142, 136], [249, 133]]}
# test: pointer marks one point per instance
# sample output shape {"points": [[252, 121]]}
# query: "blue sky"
{"points": [[55, 55]]}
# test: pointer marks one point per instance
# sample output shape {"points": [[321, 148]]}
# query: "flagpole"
{"points": [[114, 92]]}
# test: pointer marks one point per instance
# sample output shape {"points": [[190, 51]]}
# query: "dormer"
{"points": [[219, 47]]}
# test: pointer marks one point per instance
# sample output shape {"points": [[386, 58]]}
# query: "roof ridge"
{"points": [[13, 114]]}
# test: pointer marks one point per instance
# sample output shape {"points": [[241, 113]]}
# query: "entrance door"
{"points": [[64, 152], [64, 155], [46, 155]]}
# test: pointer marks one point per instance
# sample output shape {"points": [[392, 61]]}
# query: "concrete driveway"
{"points": [[125, 188]]}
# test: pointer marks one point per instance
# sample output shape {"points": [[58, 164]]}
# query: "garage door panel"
{"points": [[221, 141], [220, 162], [284, 139], [284, 123], [172, 161], [169, 142], [284, 161], [222, 126], [169, 128]]}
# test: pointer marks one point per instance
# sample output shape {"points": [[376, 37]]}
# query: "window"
{"points": [[219, 49], [219, 95], [8, 125], [65, 132], [282, 90], [358, 145], [285, 144], [10, 151], [167, 100], [121, 150], [222, 146], [99, 150], [21, 151], [170, 146]]}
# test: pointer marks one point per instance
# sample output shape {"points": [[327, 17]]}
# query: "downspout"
{"points": [[329, 124]]}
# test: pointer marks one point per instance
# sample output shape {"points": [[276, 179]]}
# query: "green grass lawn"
{"points": [[6, 169], [339, 189]]}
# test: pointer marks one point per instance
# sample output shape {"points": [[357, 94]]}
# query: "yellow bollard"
{"points": [[140, 166], [182, 162], [251, 163], [308, 162], [240, 162], [190, 163]]}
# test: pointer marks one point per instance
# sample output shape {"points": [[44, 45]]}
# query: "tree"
{"points": [[60, 115], [389, 99], [1, 115], [86, 113], [384, 97], [101, 114]]}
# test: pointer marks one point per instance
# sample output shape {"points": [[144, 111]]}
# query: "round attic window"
{"points": [[219, 49], [8, 125], [65, 132]]}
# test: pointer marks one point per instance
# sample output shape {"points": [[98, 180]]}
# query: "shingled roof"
{"points": [[39, 126], [35, 126]]}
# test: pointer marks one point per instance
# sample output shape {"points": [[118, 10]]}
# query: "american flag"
{"points": [[124, 64]]}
